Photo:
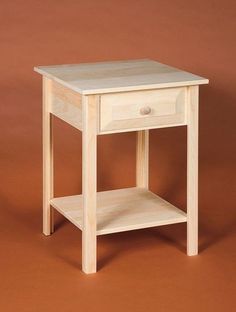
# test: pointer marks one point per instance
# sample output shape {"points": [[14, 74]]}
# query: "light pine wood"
{"points": [[192, 172], [89, 182], [122, 210], [142, 159], [142, 109], [66, 104], [47, 158], [160, 126], [119, 76], [113, 97]]}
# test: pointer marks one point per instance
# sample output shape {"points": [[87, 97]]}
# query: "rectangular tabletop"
{"points": [[118, 76]]}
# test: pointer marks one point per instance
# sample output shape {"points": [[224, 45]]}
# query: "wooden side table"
{"points": [[112, 97]]}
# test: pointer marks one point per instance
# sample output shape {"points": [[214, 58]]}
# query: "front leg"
{"points": [[89, 181]]}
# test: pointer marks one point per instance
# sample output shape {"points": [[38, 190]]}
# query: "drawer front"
{"points": [[142, 109]]}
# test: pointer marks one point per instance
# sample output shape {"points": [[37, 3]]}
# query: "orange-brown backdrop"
{"points": [[140, 270]]}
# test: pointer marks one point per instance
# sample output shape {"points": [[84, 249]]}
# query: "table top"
{"points": [[118, 76]]}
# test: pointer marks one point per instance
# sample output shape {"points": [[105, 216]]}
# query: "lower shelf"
{"points": [[122, 210]]}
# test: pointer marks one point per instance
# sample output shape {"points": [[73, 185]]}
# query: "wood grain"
{"points": [[142, 159], [123, 111], [112, 97], [122, 210], [89, 183], [66, 104], [47, 157], [119, 76], [192, 172]]}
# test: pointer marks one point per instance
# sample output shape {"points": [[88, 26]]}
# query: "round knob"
{"points": [[145, 110]]}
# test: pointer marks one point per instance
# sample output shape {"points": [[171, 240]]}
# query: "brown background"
{"points": [[141, 270]]}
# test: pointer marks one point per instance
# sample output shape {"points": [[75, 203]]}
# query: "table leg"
{"points": [[89, 181], [48, 226], [142, 158], [192, 171]]}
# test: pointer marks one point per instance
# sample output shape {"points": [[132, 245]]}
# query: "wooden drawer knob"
{"points": [[145, 110]]}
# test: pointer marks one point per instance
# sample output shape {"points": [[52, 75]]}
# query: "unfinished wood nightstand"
{"points": [[112, 97]]}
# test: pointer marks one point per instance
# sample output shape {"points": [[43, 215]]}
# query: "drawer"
{"points": [[142, 109]]}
